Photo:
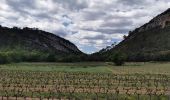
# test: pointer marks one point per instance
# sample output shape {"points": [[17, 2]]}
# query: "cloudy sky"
{"points": [[90, 24]]}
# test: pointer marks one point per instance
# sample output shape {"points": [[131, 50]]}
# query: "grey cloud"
{"points": [[131, 2], [26, 7], [20, 5], [73, 4], [110, 31], [60, 32], [120, 23], [98, 37], [42, 16], [93, 15]]}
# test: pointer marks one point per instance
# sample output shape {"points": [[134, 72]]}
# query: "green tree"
{"points": [[4, 58], [119, 58], [51, 58]]}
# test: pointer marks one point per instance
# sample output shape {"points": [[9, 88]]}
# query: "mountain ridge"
{"points": [[34, 45], [149, 42], [33, 37]]}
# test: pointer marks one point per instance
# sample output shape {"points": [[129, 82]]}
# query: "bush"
{"points": [[119, 58], [34, 56], [14, 56], [51, 58], [22, 56], [4, 58]]}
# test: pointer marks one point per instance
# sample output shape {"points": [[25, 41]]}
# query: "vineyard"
{"points": [[78, 85]]}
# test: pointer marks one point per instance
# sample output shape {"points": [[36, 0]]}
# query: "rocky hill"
{"points": [[35, 39], [148, 42], [35, 43]]}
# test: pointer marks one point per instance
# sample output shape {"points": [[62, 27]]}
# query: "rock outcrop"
{"points": [[162, 20]]}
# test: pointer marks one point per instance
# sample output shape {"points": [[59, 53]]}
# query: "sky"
{"points": [[90, 24]]}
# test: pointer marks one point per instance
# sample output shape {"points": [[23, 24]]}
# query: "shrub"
{"points": [[119, 58], [33, 56], [15, 56], [4, 58], [51, 58]]}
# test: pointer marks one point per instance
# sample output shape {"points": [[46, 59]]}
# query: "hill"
{"points": [[33, 44], [148, 42]]}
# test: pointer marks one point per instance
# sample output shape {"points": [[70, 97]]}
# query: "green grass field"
{"points": [[97, 67]]}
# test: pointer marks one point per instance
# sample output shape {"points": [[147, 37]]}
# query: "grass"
{"points": [[143, 68], [97, 67], [58, 67]]}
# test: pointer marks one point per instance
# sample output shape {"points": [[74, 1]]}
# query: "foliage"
{"points": [[4, 58], [51, 57], [118, 58], [19, 54]]}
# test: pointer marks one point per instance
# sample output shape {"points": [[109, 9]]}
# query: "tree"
{"points": [[119, 58], [51, 58], [124, 37], [114, 44], [4, 58], [16, 28]]}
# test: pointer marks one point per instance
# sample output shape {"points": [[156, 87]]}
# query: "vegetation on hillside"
{"points": [[21, 55], [34, 45], [150, 45]]}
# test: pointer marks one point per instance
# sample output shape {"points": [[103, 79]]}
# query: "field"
{"points": [[85, 81]]}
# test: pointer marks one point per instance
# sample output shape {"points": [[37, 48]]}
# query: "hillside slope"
{"points": [[34, 42], [148, 42]]}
